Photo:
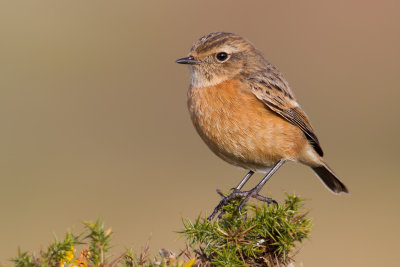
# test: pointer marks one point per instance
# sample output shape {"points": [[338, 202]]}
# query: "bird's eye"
{"points": [[222, 56]]}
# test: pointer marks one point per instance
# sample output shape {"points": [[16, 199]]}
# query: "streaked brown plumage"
{"points": [[245, 111]]}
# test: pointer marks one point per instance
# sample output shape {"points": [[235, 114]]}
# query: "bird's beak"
{"points": [[188, 60]]}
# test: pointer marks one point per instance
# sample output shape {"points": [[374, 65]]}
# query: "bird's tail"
{"points": [[330, 179]]}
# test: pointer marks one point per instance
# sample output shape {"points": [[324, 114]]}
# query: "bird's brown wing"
{"points": [[275, 93]]}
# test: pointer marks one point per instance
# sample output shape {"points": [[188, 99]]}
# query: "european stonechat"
{"points": [[244, 110]]}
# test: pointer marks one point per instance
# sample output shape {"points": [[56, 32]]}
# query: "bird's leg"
{"points": [[244, 181], [254, 192], [247, 194], [235, 193]]}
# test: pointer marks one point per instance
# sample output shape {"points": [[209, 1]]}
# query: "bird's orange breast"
{"points": [[241, 129]]}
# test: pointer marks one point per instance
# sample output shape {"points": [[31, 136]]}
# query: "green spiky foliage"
{"points": [[261, 236], [99, 241], [57, 253], [94, 245]]}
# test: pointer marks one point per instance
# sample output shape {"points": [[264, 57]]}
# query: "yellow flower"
{"points": [[78, 263], [69, 255], [189, 263]]}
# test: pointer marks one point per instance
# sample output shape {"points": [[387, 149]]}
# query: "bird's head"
{"points": [[219, 56]]}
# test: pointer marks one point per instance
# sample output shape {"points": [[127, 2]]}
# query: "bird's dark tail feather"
{"points": [[329, 178]]}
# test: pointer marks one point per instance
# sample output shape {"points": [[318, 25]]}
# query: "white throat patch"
{"points": [[198, 80]]}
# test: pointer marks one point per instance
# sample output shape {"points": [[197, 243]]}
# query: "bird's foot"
{"points": [[245, 195]]}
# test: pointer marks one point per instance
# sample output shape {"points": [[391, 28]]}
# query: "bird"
{"points": [[244, 110]]}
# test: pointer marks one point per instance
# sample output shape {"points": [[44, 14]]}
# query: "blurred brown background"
{"points": [[94, 121]]}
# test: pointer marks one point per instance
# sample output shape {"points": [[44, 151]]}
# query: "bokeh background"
{"points": [[94, 121]]}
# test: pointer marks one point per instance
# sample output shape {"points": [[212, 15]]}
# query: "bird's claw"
{"points": [[220, 193], [246, 195]]}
